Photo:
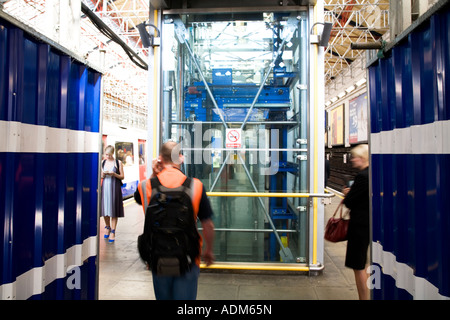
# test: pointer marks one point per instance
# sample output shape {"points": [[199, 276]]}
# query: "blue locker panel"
{"points": [[50, 207], [445, 87], [444, 222], [410, 207], [3, 71], [375, 100], [52, 91], [48, 200]]}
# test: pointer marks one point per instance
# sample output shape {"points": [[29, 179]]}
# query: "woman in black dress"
{"points": [[357, 200]]}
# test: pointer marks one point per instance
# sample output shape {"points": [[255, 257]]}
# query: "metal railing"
{"points": [[285, 252], [270, 194]]}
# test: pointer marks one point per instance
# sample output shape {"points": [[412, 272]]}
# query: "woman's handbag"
{"points": [[336, 228]]}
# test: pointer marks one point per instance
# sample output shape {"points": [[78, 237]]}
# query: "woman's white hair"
{"points": [[361, 151]]}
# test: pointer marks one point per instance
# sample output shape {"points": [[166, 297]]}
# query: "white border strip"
{"points": [[35, 280], [404, 276], [432, 138], [23, 137]]}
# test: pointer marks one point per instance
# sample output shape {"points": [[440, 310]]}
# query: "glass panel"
{"points": [[235, 96]]}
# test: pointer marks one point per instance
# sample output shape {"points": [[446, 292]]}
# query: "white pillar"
{"points": [[316, 154], [63, 22], [154, 96], [399, 16]]}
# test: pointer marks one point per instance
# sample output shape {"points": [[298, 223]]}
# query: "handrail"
{"points": [[270, 195], [251, 230]]}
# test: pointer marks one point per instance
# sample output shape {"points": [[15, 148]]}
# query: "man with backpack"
{"points": [[171, 244]]}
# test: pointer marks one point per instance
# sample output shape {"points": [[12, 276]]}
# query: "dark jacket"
{"points": [[357, 199]]}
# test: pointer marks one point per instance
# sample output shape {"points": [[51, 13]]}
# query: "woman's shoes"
{"points": [[108, 234], [114, 233], [108, 230]]}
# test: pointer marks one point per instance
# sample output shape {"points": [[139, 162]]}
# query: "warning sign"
{"points": [[234, 138]]}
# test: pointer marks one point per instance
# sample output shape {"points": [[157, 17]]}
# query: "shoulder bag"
{"points": [[336, 228]]}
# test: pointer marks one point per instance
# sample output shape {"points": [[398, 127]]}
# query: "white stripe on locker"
{"points": [[35, 280], [404, 276], [22, 137], [432, 138]]}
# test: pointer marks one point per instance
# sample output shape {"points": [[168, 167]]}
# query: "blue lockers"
{"points": [[49, 121], [410, 163]]}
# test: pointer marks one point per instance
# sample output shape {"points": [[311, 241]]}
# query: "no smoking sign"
{"points": [[234, 138]]}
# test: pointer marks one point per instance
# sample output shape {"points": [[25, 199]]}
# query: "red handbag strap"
{"points": [[340, 207]]}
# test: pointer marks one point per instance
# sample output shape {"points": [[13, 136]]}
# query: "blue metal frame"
{"points": [[234, 99]]}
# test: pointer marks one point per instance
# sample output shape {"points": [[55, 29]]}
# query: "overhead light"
{"points": [[333, 100], [341, 94], [350, 89], [361, 82]]}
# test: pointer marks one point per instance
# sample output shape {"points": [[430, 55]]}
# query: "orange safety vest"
{"points": [[173, 178]]}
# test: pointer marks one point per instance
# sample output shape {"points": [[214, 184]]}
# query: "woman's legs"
{"points": [[107, 226], [361, 284], [112, 236]]}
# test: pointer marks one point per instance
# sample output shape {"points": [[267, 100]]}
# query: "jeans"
{"points": [[177, 288]]}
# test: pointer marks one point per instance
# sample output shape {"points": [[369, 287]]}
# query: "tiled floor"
{"points": [[123, 276]]}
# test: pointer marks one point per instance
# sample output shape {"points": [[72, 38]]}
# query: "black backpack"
{"points": [[170, 241]]}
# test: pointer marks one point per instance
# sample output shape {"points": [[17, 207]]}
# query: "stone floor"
{"points": [[122, 276]]}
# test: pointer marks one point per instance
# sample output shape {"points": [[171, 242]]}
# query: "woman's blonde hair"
{"points": [[111, 148], [361, 151]]}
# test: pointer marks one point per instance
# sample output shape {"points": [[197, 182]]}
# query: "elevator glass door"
{"points": [[235, 97]]}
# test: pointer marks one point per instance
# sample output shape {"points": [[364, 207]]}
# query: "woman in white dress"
{"points": [[112, 201]]}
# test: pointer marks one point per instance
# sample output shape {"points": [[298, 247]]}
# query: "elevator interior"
{"points": [[235, 94]]}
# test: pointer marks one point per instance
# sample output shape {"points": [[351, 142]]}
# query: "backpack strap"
{"points": [[155, 183], [144, 194], [187, 183]]}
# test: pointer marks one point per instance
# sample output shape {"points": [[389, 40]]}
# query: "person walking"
{"points": [[357, 200], [112, 200], [167, 173]]}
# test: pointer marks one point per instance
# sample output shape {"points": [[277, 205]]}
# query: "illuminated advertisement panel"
{"points": [[336, 122], [358, 119]]}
